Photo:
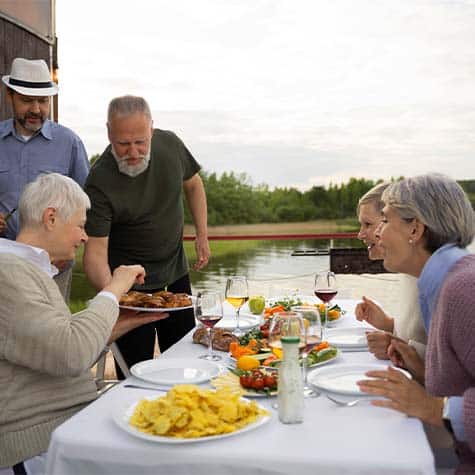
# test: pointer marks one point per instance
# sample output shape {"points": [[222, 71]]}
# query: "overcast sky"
{"points": [[292, 92]]}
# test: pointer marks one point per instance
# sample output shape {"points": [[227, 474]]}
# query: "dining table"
{"points": [[332, 439]]}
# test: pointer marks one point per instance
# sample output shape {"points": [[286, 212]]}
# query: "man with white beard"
{"points": [[136, 216]]}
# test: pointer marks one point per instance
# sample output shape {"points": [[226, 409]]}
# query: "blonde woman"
{"points": [[408, 326]]}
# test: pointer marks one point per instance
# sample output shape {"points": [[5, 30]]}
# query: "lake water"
{"points": [[270, 268]]}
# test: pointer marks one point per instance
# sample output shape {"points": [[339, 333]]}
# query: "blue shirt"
{"points": [[429, 284], [54, 148], [433, 276]]}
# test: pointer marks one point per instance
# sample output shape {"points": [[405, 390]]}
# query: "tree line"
{"points": [[233, 199]]}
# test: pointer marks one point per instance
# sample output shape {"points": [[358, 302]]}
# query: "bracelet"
{"points": [[445, 416]]}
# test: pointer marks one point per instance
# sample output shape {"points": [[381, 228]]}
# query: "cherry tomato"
{"points": [[270, 381], [258, 384], [246, 381]]}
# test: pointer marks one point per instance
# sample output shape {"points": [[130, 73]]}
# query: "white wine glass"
{"points": [[209, 311], [325, 290], [237, 294]]}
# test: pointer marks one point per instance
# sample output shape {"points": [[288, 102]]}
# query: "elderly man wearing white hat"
{"points": [[31, 145]]}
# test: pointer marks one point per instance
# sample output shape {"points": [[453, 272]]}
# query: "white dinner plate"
{"points": [[353, 338], [170, 371], [341, 379], [122, 417], [144, 309], [247, 321]]}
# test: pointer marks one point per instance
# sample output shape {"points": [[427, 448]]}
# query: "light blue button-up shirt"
{"points": [[54, 148]]}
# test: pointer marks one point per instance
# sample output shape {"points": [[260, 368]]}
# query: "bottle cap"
{"points": [[290, 339]]}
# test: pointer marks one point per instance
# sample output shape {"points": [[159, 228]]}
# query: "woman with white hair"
{"points": [[408, 326], [428, 222], [45, 352]]}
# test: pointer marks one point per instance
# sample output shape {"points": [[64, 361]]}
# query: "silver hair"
{"points": [[126, 106], [439, 203], [373, 196], [51, 190]]}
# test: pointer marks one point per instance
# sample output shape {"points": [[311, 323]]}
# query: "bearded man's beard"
{"points": [[131, 170]]}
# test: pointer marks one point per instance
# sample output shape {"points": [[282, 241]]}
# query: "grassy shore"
{"points": [[320, 226], [82, 290]]}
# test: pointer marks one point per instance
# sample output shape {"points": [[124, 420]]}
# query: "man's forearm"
{"points": [[196, 199], [97, 271], [99, 277]]}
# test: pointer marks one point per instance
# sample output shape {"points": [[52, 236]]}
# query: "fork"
{"points": [[135, 386], [344, 403]]}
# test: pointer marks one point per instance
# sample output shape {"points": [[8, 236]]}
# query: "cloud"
{"points": [[291, 96]]}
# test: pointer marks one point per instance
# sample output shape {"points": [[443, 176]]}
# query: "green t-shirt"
{"points": [[143, 216]]}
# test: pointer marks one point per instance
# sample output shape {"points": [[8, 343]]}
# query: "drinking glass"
{"points": [[285, 324], [325, 290], [209, 311], [237, 294], [313, 335]]}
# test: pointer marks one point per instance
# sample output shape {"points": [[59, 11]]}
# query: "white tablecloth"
{"points": [[332, 440]]}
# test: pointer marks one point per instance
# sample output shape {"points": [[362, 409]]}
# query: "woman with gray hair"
{"points": [[408, 326], [45, 351], [428, 221]]}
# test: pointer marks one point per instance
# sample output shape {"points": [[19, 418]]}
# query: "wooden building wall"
{"points": [[17, 42]]}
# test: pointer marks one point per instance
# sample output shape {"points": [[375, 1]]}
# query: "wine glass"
{"points": [[325, 290], [285, 324], [313, 335], [209, 311], [237, 294]]}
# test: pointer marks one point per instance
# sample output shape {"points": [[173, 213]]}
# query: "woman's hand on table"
{"points": [[378, 344], [403, 394], [130, 320], [405, 356], [371, 312]]}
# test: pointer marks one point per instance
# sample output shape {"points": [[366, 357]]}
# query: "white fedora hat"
{"points": [[30, 77]]}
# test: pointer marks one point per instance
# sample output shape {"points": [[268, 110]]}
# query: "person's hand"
{"points": [[130, 319], [405, 356], [369, 311], [202, 252], [123, 278], [3, 224], [403, 395], [378, 343]]}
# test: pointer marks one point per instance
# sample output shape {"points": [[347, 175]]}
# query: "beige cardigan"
{"points": [[45, 357]]}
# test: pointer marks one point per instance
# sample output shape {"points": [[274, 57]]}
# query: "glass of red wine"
{"points": [[209, 311], [325, 290]]}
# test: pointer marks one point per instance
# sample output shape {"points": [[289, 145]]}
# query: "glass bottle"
{"points": [[290, 394]]}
